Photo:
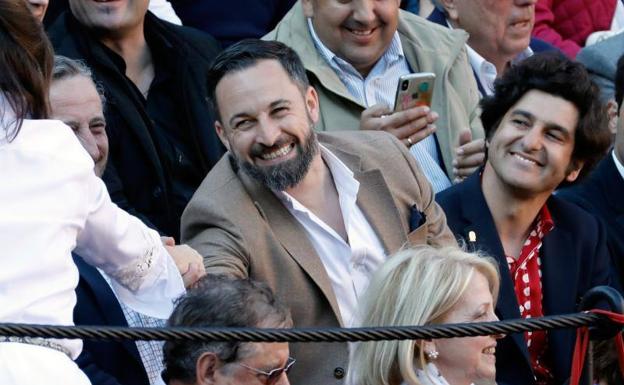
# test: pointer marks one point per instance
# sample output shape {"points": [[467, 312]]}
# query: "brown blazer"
{"points": [[242, 229]]}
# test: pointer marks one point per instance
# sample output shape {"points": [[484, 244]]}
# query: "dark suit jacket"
{"points": [[104, 362], [537, 45], [242, 229], [136, 177], [574, 259], [602, 194]]}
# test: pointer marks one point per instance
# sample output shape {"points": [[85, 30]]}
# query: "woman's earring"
{"points": [[432, 355]]}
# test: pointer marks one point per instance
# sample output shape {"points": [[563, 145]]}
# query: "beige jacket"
{"points": [[428, 47], [242, 229]]}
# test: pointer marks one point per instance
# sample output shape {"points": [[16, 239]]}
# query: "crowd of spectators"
{"points": [[243, 164]]}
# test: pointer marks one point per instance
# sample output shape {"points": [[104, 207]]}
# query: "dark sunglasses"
{"points": [[273, 375]]}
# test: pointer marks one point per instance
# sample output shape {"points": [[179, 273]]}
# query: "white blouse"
{"points": [[51, 203]]}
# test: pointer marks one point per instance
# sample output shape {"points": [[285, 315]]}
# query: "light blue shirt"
{"points": [[379, 87]]}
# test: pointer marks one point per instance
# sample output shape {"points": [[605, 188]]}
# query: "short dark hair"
{"points": [[25, 64], [557, 75], [619, 82], [248, 52], [219, 301]]}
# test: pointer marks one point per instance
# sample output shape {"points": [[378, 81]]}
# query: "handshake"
{"points": [[189, 262]]}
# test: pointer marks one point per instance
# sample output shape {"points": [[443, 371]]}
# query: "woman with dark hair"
{"points": [[51, 202]]}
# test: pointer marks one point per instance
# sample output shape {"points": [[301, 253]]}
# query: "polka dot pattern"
{"points": [[526, 273]]}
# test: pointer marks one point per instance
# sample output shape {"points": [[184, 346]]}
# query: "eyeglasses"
{"points": [[273, 375]]}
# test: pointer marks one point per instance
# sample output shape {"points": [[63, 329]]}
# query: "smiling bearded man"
{"points": [[287, 174], [312, 218], [545, 127]]}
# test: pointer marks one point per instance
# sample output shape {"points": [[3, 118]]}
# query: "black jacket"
{"points": [[602, 194], [136, 176]]}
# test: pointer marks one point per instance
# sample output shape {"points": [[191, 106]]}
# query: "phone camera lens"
{"points": [[404, 85]]}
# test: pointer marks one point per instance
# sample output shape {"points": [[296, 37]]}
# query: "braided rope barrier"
{"points": [[305, 334]]}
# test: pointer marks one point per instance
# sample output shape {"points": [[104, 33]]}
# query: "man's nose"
{"points": [[532, 139], [90, 144], [268, 131], [283, 380], [364, 11]]}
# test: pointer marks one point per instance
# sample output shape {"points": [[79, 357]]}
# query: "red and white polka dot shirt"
{"points": [[526, 274]]}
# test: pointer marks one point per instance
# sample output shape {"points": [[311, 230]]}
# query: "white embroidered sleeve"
{"points": [[144, 275]]}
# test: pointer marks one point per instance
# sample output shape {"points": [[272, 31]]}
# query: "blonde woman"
{"points": [[425, 286]]}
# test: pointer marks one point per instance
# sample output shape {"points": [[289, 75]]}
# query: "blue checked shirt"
{"points": [[150, 351], [379, 87]]}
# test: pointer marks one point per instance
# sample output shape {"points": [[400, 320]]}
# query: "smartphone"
{"points": [[414, 90]]}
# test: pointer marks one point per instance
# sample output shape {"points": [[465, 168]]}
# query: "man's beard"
{"points": [[288, 173]]}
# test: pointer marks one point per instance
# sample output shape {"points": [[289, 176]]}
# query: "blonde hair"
{"points": [[416, 286]]}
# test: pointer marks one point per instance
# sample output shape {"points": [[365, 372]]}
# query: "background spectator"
{"points": [[545, 126], [76, 101], [218, 301], [500, 34], [601, 193], [356, 51], [567, 24], [454, 287], [161, 8], [600, 60], [159, 126]]}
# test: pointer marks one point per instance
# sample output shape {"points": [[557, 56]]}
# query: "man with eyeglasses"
{"points": [[219, 301]]}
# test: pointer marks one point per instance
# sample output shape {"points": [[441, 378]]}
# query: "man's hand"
{"points": [[189, 262], [470, 155], [410, 126]]}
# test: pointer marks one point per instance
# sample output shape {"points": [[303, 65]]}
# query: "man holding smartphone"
{"points": [[355, 53]]}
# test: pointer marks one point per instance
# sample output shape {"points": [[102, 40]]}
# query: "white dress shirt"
{"points": [[618, 164], [164, 11], [486, 72], [379, 87], [51, 202], [349, 265]]}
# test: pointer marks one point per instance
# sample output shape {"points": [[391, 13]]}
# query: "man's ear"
{"points": [[308, 8], [312, 104], [574, 169], [206, 368], [450, 10], [221, 134]]}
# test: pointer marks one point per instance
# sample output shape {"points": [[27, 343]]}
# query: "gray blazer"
{"points": [[601, 60]]}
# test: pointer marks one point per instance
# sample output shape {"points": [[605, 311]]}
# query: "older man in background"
{"points": [[158, 122], [218, 301], [76, 100]]}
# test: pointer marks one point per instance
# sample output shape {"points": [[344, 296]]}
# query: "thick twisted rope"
{"points": [[305, 334]]}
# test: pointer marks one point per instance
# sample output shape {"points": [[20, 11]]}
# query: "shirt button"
{"points": [[339, 372], [157, 192]]}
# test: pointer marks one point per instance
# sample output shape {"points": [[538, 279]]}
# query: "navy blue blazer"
{"points": [[601, 194], [537, 45], [574, 259], [104, 362]]}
